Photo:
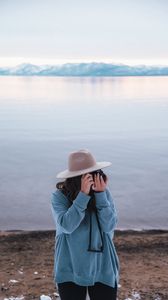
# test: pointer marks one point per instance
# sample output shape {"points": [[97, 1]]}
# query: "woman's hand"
{"points": [[86, 183], [99, 184]]}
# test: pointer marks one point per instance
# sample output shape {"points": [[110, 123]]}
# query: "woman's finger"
{"points": [[97, 182], [90, 180], [101, 179], [97, 177], [86, 177]]}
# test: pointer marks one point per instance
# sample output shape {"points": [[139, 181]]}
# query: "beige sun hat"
{"points": [[81, 162]]}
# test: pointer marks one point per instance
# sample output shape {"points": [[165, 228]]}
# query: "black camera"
{"points": [[91, 203], [101, 173]]}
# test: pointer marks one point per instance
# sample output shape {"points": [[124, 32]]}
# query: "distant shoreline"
{"points": [[93, 69], [82, 76], [117, 231]]}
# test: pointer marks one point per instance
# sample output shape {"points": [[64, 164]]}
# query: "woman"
{"points": [[85, 218]]}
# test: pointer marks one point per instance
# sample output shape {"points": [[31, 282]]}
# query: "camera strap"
{"points": [[90, 233]]}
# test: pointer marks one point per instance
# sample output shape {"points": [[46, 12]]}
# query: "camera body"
{"points": [[101, 173], [91, 203]]}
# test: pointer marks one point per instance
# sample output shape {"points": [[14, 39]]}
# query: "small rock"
{"points": [[56, 294], [136, 296], [44, 297], [3, 287], [13, 281]]}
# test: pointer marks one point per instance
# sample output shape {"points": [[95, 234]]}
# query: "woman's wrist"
{"points": [[84, 192]]}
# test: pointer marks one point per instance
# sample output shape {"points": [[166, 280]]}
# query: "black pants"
{"points": [[71, 291]]}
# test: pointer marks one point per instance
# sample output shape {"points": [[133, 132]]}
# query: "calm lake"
{"points": [[119, 119]]}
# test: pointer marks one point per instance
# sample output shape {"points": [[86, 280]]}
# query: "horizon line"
{"points": [[13, 62]]}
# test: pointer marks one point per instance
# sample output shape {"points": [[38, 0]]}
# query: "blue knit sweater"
{"points": [[72, 260]]}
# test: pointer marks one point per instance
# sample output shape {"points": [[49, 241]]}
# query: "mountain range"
{"points": [[84, 69]]}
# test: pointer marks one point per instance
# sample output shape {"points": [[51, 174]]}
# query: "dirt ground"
{"points": [[28, 258]]}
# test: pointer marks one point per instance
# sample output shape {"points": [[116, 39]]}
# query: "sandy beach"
{"points": [[26, 264]]}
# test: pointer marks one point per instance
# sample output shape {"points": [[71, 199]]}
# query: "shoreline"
{"points": [[27, 259], [123, 230]]}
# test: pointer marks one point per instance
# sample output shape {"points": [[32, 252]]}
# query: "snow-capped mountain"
{"points": [[84, 69]]}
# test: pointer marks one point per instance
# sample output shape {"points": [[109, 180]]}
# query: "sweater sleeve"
{"points": [[106, 210], [68, 218]]}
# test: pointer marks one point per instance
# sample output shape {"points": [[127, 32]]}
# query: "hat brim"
{"points": [[68, 174]]}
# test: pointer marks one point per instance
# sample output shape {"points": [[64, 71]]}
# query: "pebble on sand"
{"points": [[44, 297], [13, 281]]}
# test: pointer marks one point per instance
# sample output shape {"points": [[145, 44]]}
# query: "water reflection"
{"points": [[77, 89], [120, 119]]}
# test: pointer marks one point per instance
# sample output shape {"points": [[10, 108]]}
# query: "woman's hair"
{"points": [[71, 186]]}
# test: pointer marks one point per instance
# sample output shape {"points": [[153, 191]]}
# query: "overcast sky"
{"points": [[56, 31]]}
